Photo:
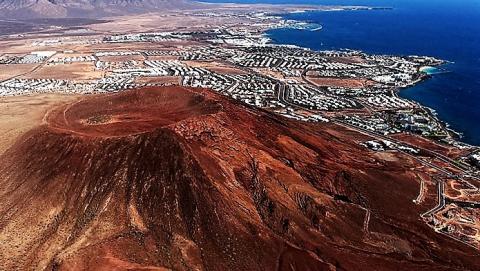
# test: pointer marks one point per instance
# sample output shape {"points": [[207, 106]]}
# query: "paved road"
{"points": [[440, 197], [282, 95], [382, 137], [40, 65]]}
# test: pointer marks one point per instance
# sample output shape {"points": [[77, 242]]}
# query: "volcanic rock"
{"points": [[183, 179]]}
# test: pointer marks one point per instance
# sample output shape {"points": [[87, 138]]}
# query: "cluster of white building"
{"points": [[384, 145], [145, 37], [31, 58], [357, 91], [296, 115], [73, 59], [214, 81], [176, 68], [371, 123], [311, 98], [475, 159], [253, 89], [118, 65], [7, 59], [246, 49], [249, 88], [423, 124], [112, 83], [383, 101], [396, 79], [291, 62], [15, 87], [116, 53]]}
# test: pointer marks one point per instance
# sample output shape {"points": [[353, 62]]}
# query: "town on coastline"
{"points": [[346, 87]]}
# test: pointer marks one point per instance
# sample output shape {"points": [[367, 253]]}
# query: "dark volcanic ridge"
{"points": [[188, 180], [85, 8]]}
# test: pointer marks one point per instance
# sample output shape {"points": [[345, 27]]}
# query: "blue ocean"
{"points": [[446, 29]]}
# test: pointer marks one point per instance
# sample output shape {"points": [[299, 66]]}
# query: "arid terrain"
{"points": [[184, 139], [20, 114], [186, 179]]}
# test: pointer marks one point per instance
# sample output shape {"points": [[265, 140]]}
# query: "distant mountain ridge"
{"points": [[22, 9]]}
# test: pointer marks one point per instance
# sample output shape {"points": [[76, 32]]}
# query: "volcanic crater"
{"points": [[185, 179], [135, 112]]}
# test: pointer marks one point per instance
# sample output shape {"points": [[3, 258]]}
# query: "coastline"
{"points": [[424, 73], [271, 17], [301, 149]]}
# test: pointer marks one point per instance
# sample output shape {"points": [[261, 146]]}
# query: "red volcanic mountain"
{"points": [[173, 178]]}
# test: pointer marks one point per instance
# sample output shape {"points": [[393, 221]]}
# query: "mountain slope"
{"points": [[26, 9], [173, 178]]}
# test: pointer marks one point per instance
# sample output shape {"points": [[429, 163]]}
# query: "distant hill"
{"points": [[24, 9]]}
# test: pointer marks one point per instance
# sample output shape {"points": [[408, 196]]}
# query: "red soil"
{"points": [[188, 180], [341, 82], [132, 113], [417, 140]]}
